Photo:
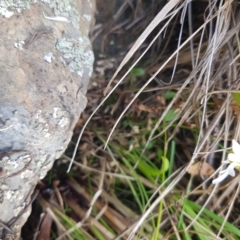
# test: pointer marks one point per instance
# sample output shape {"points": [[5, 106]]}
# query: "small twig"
{"points": [[21, 170], [57, 18], [6, 227]]}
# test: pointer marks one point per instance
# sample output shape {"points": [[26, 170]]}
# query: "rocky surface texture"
{"points": [[45, 64]]}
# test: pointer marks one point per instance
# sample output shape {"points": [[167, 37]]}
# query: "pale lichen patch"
{"points": [[77, 56], [56, 111], [37, 114], [14, 161], [41, 159], [43, 130], [49, 57], [63, 122], [26, 174], [60, 115], [4, 187], [17, 210], [19, 45], [6, 13], [16, 5], [8, 164], [62, 89], [87, 17], [14, 195], [67, 9]]}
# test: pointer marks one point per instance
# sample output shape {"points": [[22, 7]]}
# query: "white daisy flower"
{"points": [[233, 161]]}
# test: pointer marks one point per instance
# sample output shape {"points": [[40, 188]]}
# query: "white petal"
{"points": [[232, 157], [236, 147], [220, 178], [225, 162], [230, 170]]}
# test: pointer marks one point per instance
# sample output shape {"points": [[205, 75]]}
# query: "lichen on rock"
{"points": [[64, 8], [76, 54]]}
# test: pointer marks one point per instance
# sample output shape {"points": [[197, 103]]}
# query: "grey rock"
{"points": [[45, 65]]}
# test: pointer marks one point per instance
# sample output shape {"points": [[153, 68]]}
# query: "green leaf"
{"points": [[169, 95], [171, 114], [236, 97], [149, 146], [138, 72], [148, 170], [228, 226], [160, 153], [165, 164]]}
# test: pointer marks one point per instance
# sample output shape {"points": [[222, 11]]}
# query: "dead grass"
{"points": [[168, 105]]}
